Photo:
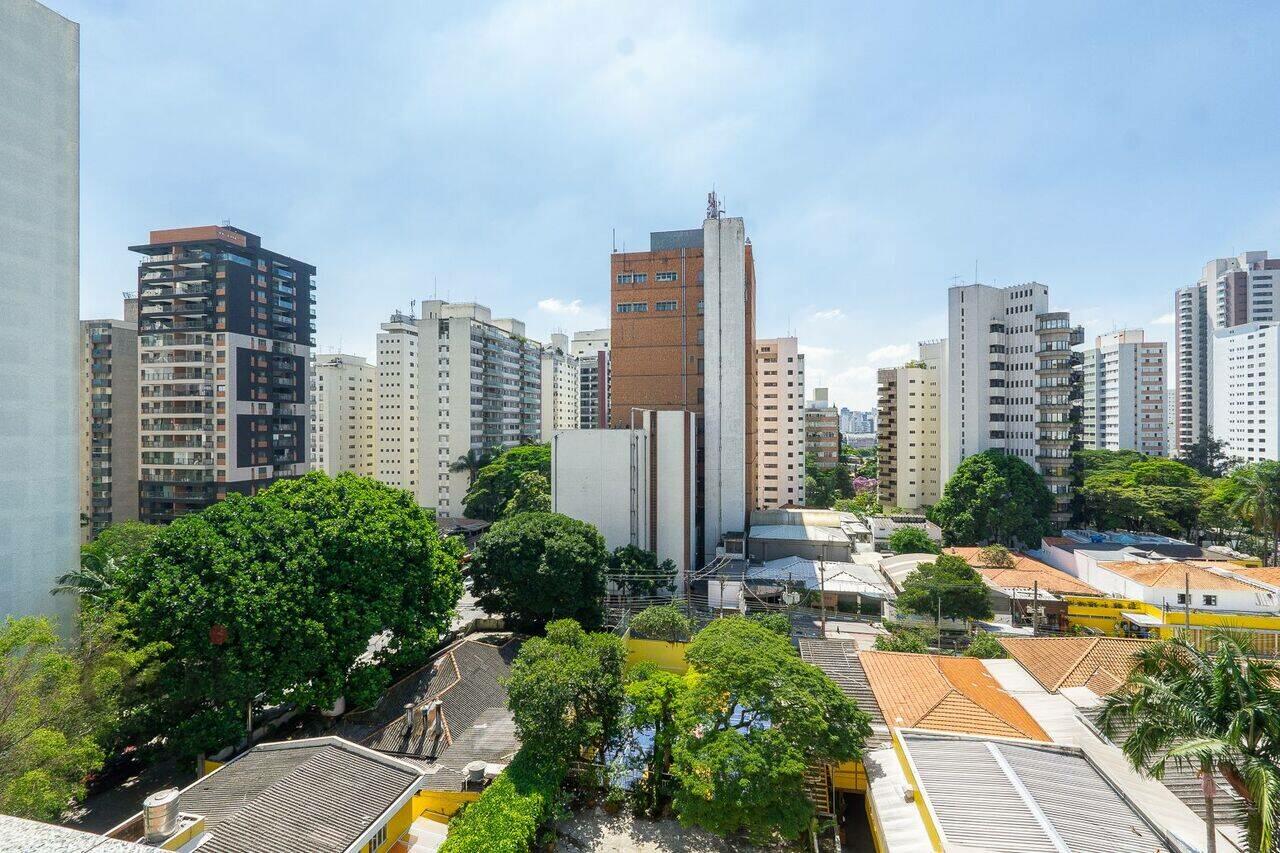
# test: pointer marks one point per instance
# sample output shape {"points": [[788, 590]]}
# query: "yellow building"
{"points": [[1128, 617]]}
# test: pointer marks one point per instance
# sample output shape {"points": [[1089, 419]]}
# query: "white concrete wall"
{"points": [[726, 373], [676, 449], [1246, 391], [39, 305], [592, 475]]}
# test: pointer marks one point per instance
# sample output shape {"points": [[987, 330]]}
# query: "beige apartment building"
{"points": [[1124, 394], [780, 432], [560, 387], [109, 422], [454, 380], [822, 430], [909, 409], [343, 437]]}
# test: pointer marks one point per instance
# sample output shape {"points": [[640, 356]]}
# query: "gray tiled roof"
{"points": [[839, 660], [28, 836], [308, 796]]}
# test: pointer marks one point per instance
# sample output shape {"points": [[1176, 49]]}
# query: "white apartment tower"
{"points": [[781, 424], [909, 406], [1231, 292], [1246, 391], [560, 387], [40, 292], [591, 349], [454, 380], [109, 422], [1012, 382], [344, 420], [1124, 394]]}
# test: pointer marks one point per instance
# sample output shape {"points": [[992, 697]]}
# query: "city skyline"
{"points": [[1058, 146]]}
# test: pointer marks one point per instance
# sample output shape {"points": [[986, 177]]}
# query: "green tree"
{"points": [[1258, 501], [636, 571], [949, 584], [993, 497], [902, 640], [566, 692], [541, 566], [94, 581], [996, 557], [123, 541], [1206, 456], [1218, 517], [751, 723], [273, 598], [985, 645], [1131, 491], [532, 494], [778, 623], [652, 699], [662, 622], [49, 712], [471, 462], [866, 504], [1210, 710], [912, 540], [499, 480]]}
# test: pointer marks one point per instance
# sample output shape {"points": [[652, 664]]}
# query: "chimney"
{"points": [[435, 716], [160, 815], [408, 718]]}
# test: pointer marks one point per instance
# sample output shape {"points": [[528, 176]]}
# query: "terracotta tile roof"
{"points": [[1268, 574], [1100, 663], [1056, 540], [945, 694], [1175, 575], [1025, 573]]}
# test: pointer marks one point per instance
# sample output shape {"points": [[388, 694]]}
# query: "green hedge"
{"points": [[509, 813]]}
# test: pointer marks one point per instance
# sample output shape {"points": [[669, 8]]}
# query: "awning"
{"points": [[1144, 620]]}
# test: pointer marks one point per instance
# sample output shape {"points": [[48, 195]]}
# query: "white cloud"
{"points": [[891, 354], [1163, 320], [560, 308], [829, 314]]}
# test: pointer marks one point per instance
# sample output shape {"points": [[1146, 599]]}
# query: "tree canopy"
{"points": [[824, 486], [948, 582], [499, 481], [751, 723], [532, 494], [912, 540], [275, 596], [541, 566], [1206, 456], [662, 622], [993, 497], [1130, 491], [636, 571]]}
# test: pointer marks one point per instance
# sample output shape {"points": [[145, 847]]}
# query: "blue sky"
{"points": [[489, 152]]}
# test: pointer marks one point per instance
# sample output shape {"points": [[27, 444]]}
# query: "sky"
{"points": [[879, 153]]}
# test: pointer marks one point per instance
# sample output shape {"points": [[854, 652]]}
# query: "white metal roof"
{"points": [[799, 532]]}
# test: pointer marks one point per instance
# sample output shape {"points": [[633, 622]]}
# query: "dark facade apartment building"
{"points": [[225, 335]]}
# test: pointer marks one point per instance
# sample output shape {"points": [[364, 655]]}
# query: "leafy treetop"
{"points": [[499, 480], [912, 540], [949, 582], [993, 497]]}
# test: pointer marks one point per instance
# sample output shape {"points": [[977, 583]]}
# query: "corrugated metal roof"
{"points": [[18, 835], [1010, 797], [839, 660]]}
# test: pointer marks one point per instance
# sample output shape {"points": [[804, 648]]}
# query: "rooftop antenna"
{"points": [[975, 270], [714, 207], [413, 306], [435, 286], [614, 238], [954, 279], [226, 223]]}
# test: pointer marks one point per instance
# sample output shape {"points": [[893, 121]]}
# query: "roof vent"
{"points": [[408, 718], [475, 772], [160, 815]]}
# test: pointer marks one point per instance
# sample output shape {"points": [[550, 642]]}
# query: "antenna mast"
{"points": [[714, 207]]}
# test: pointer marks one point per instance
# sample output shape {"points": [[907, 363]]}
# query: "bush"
{"points": [[509, 813], [984, 645], [902, 640], [911, 540], [662, 622]]}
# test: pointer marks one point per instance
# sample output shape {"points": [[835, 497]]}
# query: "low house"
{"points": [[470, 529], [318, 795], [1076, 550], [853, 587], [1029, 585], [1101, 664], [815, 534], [884, 526], [1168, 584]]}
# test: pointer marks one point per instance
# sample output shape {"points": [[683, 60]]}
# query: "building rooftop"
{"points": [[468, 680], [837, 576], [946, 694], [319, 795], [1025, 574], [1014, 797], [1263, 574], [18, 835], [1102, 664], [800, 533], [839, 660], [1171, 575]]}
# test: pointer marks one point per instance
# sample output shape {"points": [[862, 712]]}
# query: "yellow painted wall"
{"points": [[926, 815], [849, 776], [210, 766], [399, 824], [176, 842], [440, 803], [668, 656], [1104, 615]]}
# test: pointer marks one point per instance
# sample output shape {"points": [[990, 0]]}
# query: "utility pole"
{"points": [[1035, 606], [1186, 601], [939, 622], [822, 588]]}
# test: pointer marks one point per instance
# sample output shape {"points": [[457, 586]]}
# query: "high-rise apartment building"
{"points": [[822, 430], [1012, 382], [452, 381], [1124, 394], [1231, 292], [591, 348], [344, 427], [781, 428], [683, 338], [908, 450], [109, 422], [39, 305], [1246, 391], [224, 348], [560, 387]]}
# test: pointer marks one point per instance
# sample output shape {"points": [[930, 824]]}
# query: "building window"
{"points": [[624, 279], [640, 278], [633, 307], [379, 838], [667, 276], [1211, 601], [664, 306]]}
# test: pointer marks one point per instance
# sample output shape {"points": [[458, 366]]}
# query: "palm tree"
{"points": [[1259, 500], [1212, 710], [92, 581], [472, 463]]}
